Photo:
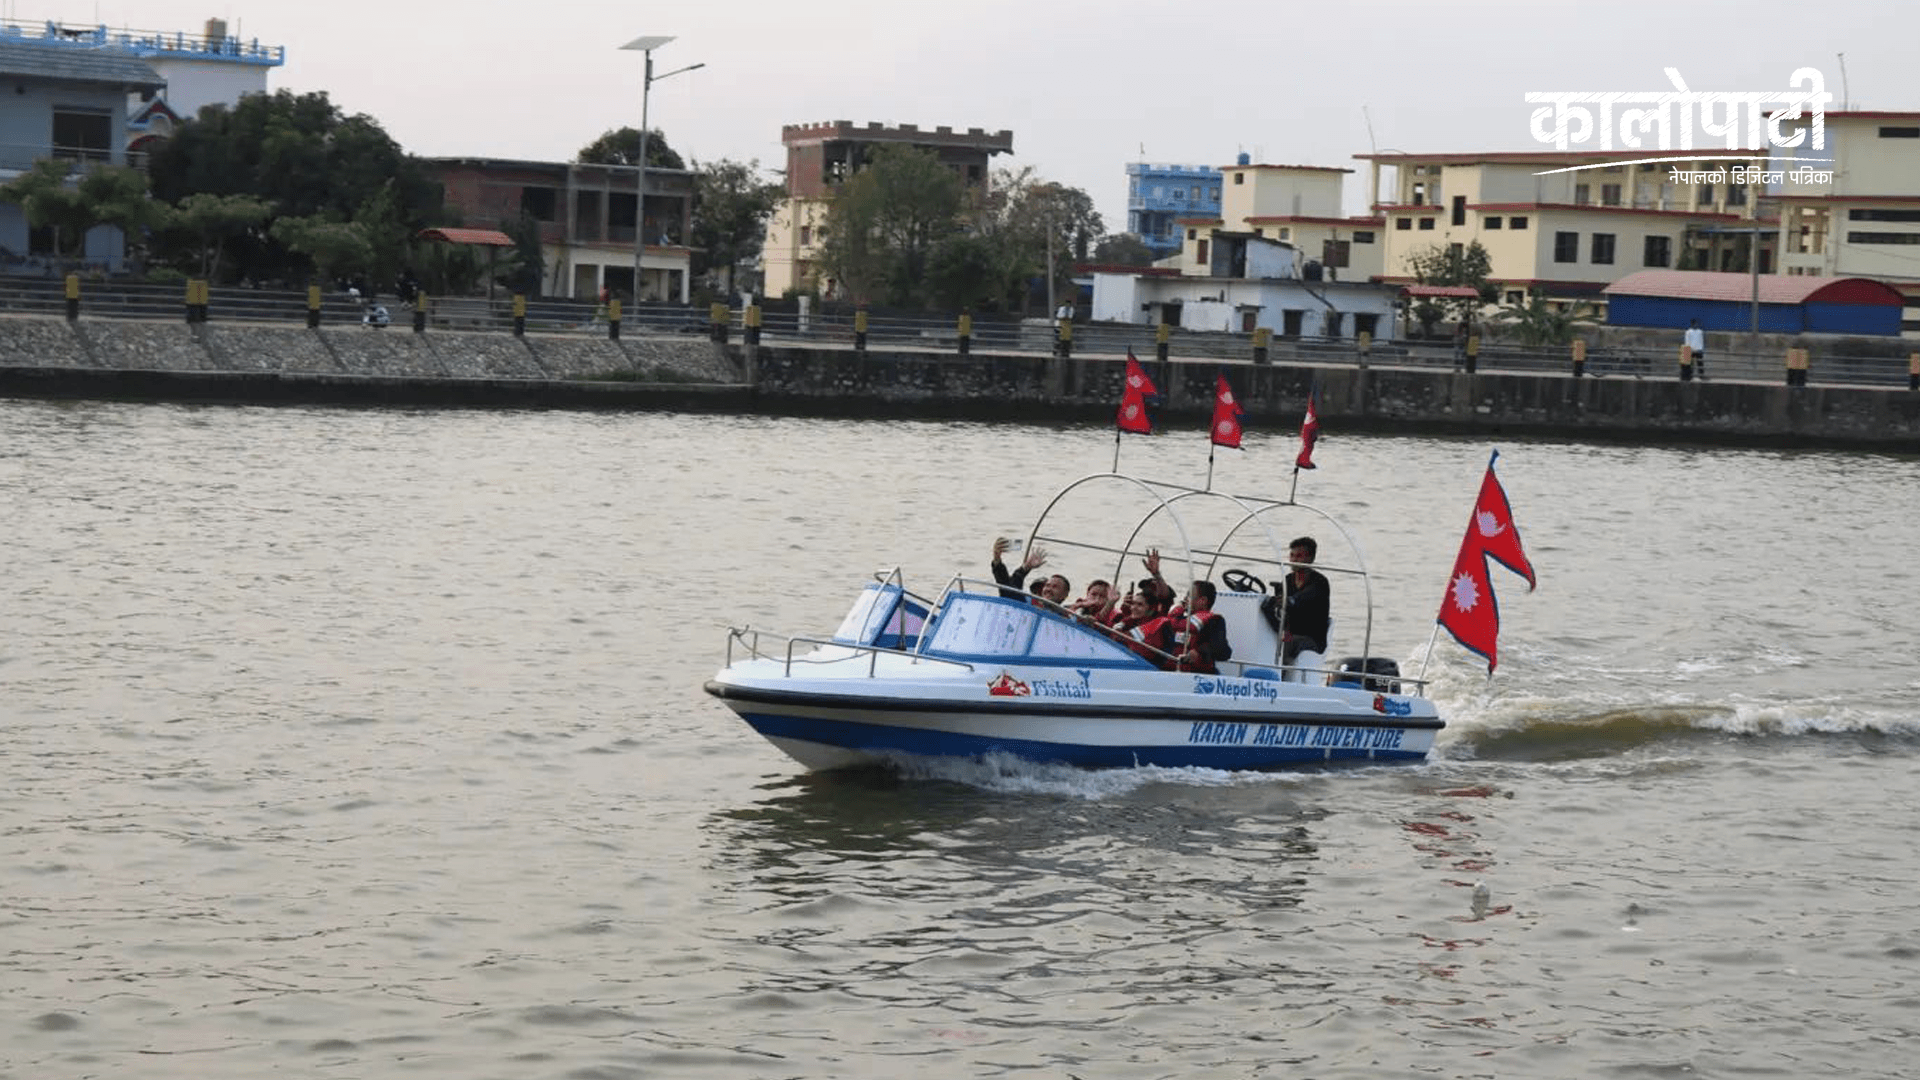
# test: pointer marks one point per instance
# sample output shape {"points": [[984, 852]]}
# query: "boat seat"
{"points": [[1266, 674], [1309, 666]]}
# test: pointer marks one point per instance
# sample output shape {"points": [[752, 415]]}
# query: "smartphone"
{"points": [[1016, 544]]}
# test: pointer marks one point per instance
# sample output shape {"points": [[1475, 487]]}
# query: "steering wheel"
{"points": [[1241, 581]]}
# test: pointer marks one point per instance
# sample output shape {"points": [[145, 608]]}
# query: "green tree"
{"points": [[305, 159], [51, 195], [333, 249], [885, 221], [1449, 265], [965, 272], [731, 205], [1123, 249], [622, 147], [1538, 322], [1057, 225], [210, 221]]}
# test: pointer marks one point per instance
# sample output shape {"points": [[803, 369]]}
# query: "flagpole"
{"points": [[1295, 486], [1209, 466], [1116, 449], [1428, 658]]}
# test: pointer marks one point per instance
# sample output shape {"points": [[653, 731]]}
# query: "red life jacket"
{"points": [[1191, 628], [1155, 633]]}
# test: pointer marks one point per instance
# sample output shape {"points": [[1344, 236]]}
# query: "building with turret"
{"points": [[821, 156]]}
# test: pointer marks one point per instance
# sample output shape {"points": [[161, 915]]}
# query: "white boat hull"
{"points": [[856, 710]]}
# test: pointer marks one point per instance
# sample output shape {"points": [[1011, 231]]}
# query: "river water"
{"points": [[372, 744]]}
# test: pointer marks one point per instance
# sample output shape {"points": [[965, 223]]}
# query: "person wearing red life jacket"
{"points": [[1200, 634]]}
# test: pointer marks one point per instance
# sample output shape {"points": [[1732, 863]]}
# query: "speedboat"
{"points": [[974, 670]]}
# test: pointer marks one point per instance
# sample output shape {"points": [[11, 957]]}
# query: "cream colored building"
{"points": [[1865, 220], [1568, 233], [1298, 205]]}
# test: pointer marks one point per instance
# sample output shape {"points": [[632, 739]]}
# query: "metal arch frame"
{"points": [[1353, 545], [1255, 509]]}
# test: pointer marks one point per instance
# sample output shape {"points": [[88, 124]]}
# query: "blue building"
{"points": [[1788, 304], [89, 95], [1159, 195]]}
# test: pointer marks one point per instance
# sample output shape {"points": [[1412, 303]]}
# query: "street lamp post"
{"points": [[645, 45]]}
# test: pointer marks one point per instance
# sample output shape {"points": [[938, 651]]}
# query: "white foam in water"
{"points": [[1012, 775]]}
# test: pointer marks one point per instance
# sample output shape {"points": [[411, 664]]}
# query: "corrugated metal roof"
{"points": [[487, 237], [1774, 288], [108, 68]]}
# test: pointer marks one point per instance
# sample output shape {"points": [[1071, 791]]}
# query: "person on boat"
{"points": [[1302, 609], [1144, 627], [1096, 603], [1200, 633], [1012, 582], [1055, 590]]}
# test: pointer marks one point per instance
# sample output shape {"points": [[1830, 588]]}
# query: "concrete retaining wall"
{"points": [[131, 360]]}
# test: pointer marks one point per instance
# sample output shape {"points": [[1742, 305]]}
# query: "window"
{"points": [[1239, 178], [1194, 194], [1736, 194], [83, 134], [1659, 252], [1259, 231], [1403, 223], [1515, 297], [1363, 236], [1191, 233], [1566, 247], [806, 235], [1602, 249], [1159, 191], [1459, 210], [1419, 194], [538, 203], [1426, 223], [1878, 214], [1609, 194], [1900, 132], [1284, 232], [1491, 221], [1883, 238], [1516, 223], [1706, 195], [1202, 254], [1581, 194]]}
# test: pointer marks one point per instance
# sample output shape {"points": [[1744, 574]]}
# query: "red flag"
{"points": [[1226, 413], [1133, 399], [1470, 612], [1309, 432]]}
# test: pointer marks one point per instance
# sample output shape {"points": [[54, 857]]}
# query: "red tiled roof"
{"points": [[486, 237], [1774, 288], [1464, 292]]}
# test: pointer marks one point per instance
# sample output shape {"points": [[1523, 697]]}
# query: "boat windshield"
{"points": [[977, 625], [882, 616]]}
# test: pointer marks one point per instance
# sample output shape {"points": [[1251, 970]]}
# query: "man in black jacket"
{"points": [[1302, 610]]}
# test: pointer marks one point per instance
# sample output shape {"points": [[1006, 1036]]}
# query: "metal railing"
{"points": [[36, 285]]}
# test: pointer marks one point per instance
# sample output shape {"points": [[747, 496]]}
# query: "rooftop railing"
{"points": [[143, 42]]}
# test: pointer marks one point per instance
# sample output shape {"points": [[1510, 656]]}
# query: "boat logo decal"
{"points": [[1384, 704], [1008, 686], [1066, 688], [1254, 689]]}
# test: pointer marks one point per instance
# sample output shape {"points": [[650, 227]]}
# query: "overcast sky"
{"points": [[1086, 86]]}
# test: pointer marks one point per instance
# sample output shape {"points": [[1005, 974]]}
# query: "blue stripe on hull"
{"points": [[880, 739]]}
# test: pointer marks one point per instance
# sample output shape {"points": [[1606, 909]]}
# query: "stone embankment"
{"points": [[234, 362], [124, 358]]}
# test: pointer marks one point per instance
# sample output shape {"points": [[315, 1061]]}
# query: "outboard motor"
{"points": [[1379, 674]]}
